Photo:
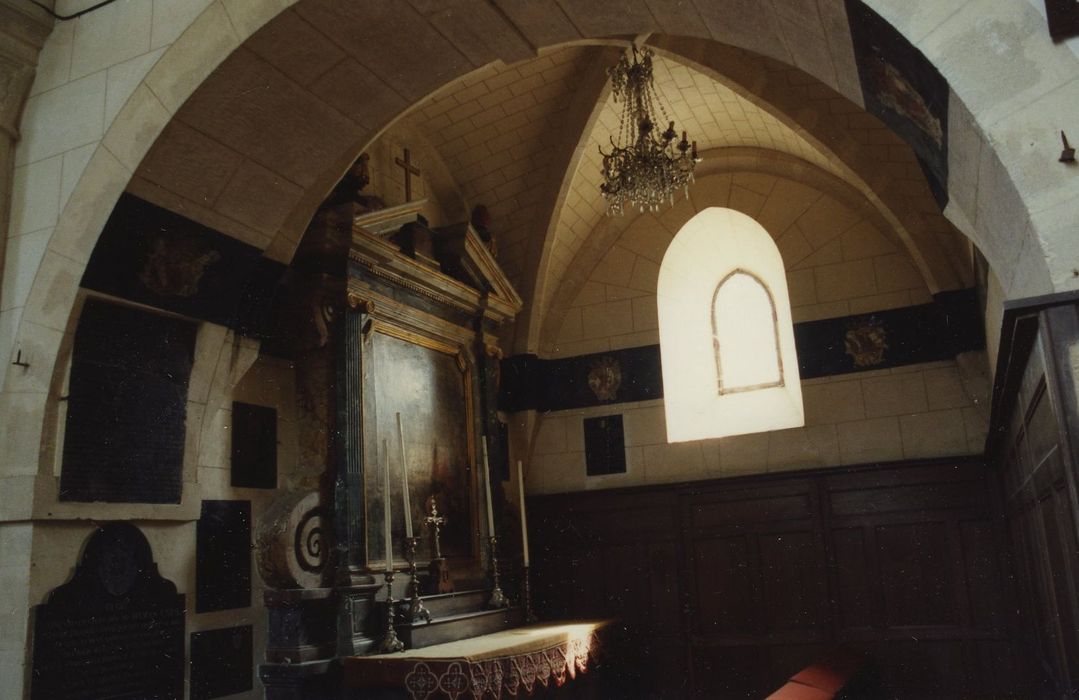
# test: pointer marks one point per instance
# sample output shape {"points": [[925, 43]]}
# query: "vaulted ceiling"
{"points": [[261, 142]]}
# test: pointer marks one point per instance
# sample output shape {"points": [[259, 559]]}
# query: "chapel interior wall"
{"points": [[102, 75], [839, 263]]}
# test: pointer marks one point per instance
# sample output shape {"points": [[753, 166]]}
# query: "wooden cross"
{"points": [[410, 170]]}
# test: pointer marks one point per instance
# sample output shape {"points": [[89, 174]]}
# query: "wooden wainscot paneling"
{"points": [[756, 581], [728, 588], [598, 556], [1034, 440]]}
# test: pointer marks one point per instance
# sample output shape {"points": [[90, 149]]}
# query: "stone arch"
{"points": [[1018, 211], [46, 324]]}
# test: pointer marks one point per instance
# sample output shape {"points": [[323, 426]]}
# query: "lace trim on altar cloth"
{"points": [[503, 675]]}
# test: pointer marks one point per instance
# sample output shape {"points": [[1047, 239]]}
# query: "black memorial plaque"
{"points": [[254, 446], [604, 445], [223, 556], [221, 662], [115, 630], [127, 409]]}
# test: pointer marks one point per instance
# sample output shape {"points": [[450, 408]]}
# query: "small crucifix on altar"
{"points": [[410, 170], [439, 568]]}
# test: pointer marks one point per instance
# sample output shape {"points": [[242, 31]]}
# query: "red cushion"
{"points": [[797, 691], [831, 673]]}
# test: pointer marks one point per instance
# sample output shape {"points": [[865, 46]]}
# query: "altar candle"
{"points": [[487, 487], [386, 504], [524, 520], [404, 479]]}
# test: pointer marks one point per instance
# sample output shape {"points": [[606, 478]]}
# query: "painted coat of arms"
{"points": [[604, 378], [866, 342], [175, 266]]}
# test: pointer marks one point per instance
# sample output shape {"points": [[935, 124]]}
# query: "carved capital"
{"points": [[358, 303]]}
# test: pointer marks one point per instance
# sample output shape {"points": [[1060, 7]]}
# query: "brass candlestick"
{"points": [[439, 567], [416, 608], [498, 598], [526, 595], [390, 643]]}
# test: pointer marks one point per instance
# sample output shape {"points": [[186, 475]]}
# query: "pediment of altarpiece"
{"points": [[450, 265]]}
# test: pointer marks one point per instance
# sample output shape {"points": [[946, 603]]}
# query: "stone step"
{"points": [[421, 634], [446, 604]]}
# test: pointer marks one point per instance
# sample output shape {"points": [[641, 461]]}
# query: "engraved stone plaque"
{"points": [[115, 630]]}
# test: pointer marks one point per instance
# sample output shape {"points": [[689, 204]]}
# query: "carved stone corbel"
{"points": [[293, 542]]}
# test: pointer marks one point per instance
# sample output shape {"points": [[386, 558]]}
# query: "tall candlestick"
{"points": [[487, 487], [524, 519], [404, 478], [386, 504]]}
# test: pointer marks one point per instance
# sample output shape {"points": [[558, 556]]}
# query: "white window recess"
{"points": [[725, 330]]}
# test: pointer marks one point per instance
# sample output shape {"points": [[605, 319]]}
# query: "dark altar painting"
{"points": [[430, 385]]}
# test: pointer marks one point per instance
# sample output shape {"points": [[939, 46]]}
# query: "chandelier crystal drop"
{"points": [[644, 169]]}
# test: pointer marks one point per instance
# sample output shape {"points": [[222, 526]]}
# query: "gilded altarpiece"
{"points": [[424, 308]]}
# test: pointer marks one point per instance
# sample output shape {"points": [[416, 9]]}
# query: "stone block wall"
{"points": [[15, 543], [912, 412]]}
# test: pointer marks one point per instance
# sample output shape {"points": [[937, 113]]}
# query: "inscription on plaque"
{"points": [[223, 556], [115, 630], [127, 410], [221, 662]]}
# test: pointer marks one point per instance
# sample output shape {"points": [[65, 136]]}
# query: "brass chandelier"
{"points": [[643, 170]]}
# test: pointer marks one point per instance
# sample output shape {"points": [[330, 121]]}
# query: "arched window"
{"points": [[749, 358], [726, 337]]}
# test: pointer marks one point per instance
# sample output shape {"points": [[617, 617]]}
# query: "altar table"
{"points": [[492, 665]]}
